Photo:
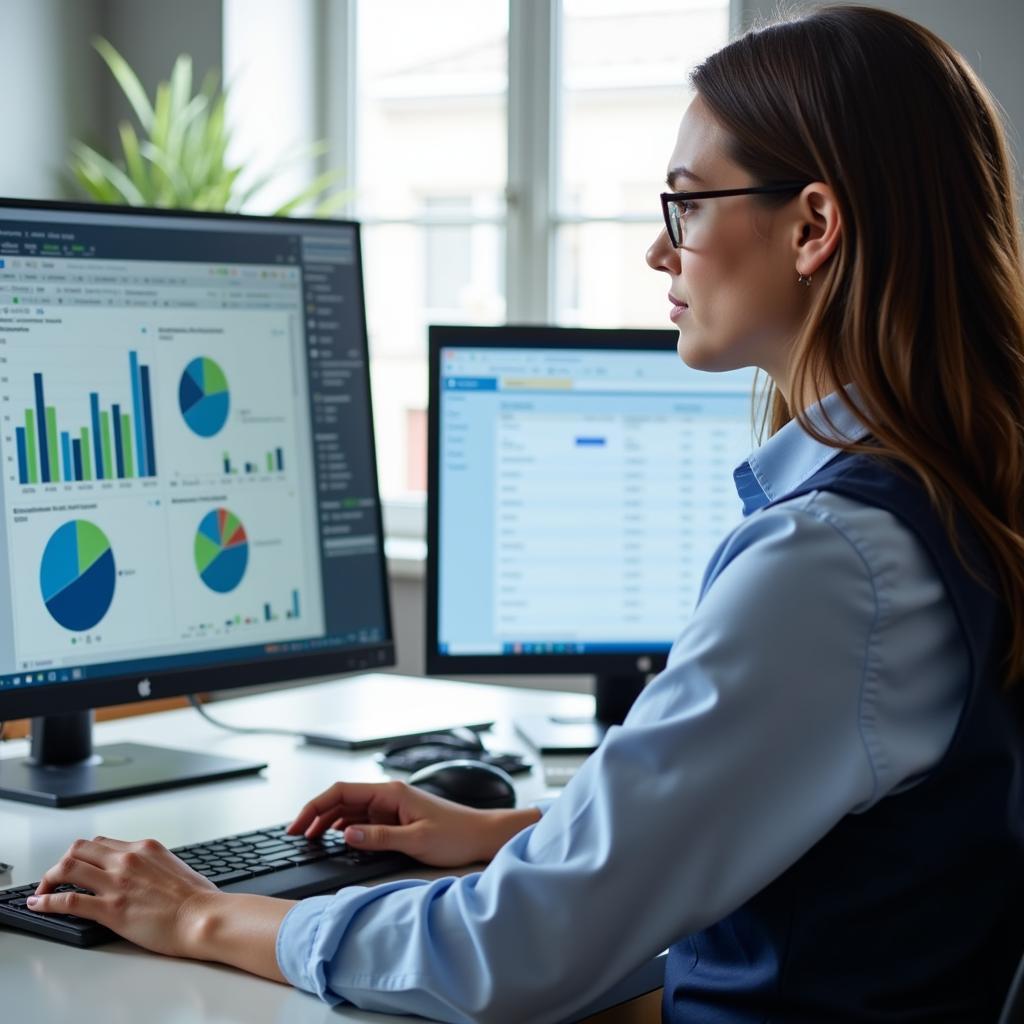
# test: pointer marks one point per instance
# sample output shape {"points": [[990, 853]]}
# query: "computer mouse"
{"points": [[471, 783]]}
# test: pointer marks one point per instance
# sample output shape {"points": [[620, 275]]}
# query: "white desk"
{"points": [[43, 981]]}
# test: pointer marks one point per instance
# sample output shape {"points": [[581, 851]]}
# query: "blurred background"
{"points": [[505, 156]]}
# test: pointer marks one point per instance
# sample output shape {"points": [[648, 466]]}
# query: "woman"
{"points": [[818, 803]]}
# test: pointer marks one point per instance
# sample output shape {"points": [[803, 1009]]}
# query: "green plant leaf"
{"points": [[333, 203], [134, 164], [310, 152], [173, 188], [127, 80], [180, 156], [94, 184], [100, 166], [161, 116]]}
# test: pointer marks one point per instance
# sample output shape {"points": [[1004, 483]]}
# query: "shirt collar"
{"points": [[791, 456]]}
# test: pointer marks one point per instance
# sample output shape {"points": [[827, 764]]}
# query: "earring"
{"points": [[801, 279]]}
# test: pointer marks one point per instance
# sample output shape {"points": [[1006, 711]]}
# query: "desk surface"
{"points": [[44, 981]]}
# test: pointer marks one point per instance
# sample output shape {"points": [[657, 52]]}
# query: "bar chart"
{"points": [[115, 444], [274, 463]]}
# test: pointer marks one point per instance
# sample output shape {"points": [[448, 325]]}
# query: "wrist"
{"points": [[200, 921], [233, 928], [506, 824]]}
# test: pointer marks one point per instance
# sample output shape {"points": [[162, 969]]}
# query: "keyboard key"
{"points": [[230, 876]]}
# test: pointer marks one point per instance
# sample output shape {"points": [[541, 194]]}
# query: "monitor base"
{"points": [[117, 770], [554, 734]]}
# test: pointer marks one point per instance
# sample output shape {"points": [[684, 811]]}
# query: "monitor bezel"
{"points": [[443, 336], [85, 694]]}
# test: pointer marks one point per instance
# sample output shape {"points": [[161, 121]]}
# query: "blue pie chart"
{"points": [[77, 575], [203, 396]]}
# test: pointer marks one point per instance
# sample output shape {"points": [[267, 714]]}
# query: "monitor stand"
{"points": [[62, 770], [566, 734]]}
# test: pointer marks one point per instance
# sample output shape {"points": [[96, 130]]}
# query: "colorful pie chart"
{"points": [[221, 550], [77, 575], [203, 396]]}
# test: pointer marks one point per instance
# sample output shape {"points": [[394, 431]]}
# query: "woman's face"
{"points": [[733, 290]]}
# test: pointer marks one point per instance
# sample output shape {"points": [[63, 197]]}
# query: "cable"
{"points": [[242, 728]]}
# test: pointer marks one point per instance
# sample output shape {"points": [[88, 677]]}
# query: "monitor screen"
{"points": [[581, 481], [188, 486]]}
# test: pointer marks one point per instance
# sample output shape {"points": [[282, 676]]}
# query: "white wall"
{"points": [[49, 96], [56, 87], [988, 33]]}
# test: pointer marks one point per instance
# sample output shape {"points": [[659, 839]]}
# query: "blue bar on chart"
{"points": [[48, 454], [97, 440], [65, 450], [280, 459], [140, 421], [115, 411], [291, 613], [19, 433], [147, 416], [44, 448]]}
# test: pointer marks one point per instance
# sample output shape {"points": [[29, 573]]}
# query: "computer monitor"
{"points": [[188, 486], [579, 481]]}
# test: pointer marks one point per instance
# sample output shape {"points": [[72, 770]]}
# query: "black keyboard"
{"points": [[266, 862]]}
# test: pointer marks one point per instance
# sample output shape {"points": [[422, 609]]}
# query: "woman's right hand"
{"points": [[397, 816]]}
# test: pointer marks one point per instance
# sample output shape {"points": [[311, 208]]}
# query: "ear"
{"points": [[818, 229]]}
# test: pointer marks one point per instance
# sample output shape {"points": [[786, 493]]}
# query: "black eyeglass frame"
{"points": [[669, 199]]}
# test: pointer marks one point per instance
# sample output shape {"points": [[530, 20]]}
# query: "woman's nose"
{"points": [[662, 255]]}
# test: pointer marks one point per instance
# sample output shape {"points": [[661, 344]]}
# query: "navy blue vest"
{"points": [[914, 910]]}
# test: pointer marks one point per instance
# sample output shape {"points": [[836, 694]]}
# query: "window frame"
{"points": [[532, 218]]}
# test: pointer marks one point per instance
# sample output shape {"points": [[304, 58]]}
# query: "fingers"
{"points": [[70, 871], [82, 853], [113, 844], [401, 838], [342, 799], [77, 903]]}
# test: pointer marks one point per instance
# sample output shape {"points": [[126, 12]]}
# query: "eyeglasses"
{"points": [[673, 204]]}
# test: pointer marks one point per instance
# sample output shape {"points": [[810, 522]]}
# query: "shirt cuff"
{"points": [[296, 938]]}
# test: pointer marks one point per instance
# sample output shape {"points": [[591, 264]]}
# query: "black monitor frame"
{"points": [[620, 676], [54, 700]]}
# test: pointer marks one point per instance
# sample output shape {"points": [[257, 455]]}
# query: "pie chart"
{"points": [[203, 396], [221, 550], [77, 575]]}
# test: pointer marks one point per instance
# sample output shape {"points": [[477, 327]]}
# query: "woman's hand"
{"points": [[397, 816], [150, 897], [140, 890]]}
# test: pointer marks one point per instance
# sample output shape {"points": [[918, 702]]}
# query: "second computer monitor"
{"points": [[580, 479]]}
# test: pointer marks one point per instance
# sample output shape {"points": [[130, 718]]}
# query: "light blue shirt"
{"points": [[822, 670]]}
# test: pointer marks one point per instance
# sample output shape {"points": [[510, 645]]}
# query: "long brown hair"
{"points": [[922, 305]]}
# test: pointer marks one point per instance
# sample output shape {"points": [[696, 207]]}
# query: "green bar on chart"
{"points": [[108, 460], [126, 444], [51, 442], [30, 440], [86, 455]]}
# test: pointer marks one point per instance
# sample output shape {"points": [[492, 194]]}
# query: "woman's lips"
{"points": [[678, 307]]}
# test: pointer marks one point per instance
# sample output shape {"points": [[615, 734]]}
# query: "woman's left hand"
{"points": [[141, 891]]}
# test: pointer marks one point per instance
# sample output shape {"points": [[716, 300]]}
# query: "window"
{"points": [[431, 87], [507, 158], [623, 89]]}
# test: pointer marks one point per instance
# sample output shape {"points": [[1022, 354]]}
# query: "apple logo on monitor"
{"points": [[145, 688]]}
